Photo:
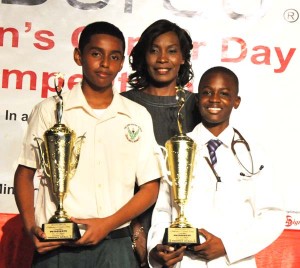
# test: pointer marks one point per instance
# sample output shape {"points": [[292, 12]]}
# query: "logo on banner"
{"points": [[293, 220], [291, 15]]}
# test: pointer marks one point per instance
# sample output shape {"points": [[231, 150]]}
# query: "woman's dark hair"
{"points": [[99, 27], [140, 79]]}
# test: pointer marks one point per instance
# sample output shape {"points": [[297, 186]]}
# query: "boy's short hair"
{"points": [[221, 69], [99, 27]]}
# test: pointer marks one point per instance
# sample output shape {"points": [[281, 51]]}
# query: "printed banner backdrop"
{"points": [[258, 39]]}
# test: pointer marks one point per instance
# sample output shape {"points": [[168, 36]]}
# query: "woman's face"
{"points": [[164, 58]]}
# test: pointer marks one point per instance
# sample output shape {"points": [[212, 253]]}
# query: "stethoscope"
{"points": [[247, 172], [241, 139]]}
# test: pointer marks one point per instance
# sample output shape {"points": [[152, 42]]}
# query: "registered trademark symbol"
{"points": [[291, 15]]}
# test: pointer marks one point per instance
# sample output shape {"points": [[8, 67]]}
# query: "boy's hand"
{"points": [[167, 255], [37, 236], [211, 249], [96, 230]]}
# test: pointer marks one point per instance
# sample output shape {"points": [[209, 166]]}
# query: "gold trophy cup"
{"points": [[180, 161], [59, 155]]}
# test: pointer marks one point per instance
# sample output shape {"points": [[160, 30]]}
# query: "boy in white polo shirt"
{"points": [[101, 196]]}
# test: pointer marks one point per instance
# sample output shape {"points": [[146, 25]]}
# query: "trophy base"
{"points": [[61, 231], [177, 237]]}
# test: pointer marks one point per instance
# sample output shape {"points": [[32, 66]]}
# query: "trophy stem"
{"points": [[181, 211], [181, 221], [60, 202], [60, 214]]}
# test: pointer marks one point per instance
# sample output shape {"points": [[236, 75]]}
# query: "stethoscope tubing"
{"points": [[241, 139]]}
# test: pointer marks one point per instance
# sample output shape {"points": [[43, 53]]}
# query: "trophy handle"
{"points": [[45, 167], [76, 154]]}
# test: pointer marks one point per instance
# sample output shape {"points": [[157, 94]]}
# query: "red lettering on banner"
{"points": [[19, 78], [27, 26], [190, 86], [225, 47], [75, 36], [42, 36], [123, 82], [265, 55], [234, 50], [45, 84], [195, 51], [131, 43], [74, 79], [14, 36], [47, 79], [283, 62]]}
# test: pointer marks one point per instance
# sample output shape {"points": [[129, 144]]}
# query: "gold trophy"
{"points": [[180, 161], [59, 155]]}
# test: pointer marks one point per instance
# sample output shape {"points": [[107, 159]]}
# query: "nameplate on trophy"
{"points": [[181, 236], [61, 231]]}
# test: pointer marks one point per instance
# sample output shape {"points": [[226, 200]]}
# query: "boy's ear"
{"points": [[237, 102], [77, 56]]}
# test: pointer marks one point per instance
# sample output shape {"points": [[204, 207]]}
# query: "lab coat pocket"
{"points": [[233, 199]]}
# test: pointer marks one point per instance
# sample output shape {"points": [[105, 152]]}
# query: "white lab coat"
{"points": [[244, 212]]}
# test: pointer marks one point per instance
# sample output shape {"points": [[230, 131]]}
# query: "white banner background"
{"points": [[258, 39]]}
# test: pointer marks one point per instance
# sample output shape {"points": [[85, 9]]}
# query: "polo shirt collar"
{"points": [[76, 99]]}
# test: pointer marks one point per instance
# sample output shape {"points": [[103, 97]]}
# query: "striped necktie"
{"points": [[212, 146]]}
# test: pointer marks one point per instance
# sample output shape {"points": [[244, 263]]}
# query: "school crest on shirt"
{"points": [[132, 132]]}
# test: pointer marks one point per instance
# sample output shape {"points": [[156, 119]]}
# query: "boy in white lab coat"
{"points": [[232, 203]]}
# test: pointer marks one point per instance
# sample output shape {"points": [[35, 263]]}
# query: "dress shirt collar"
{"points": [[202, 135]]}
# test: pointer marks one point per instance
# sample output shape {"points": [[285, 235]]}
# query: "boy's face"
{"points": [[164, 58], [101, 60], [217, 96]]}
